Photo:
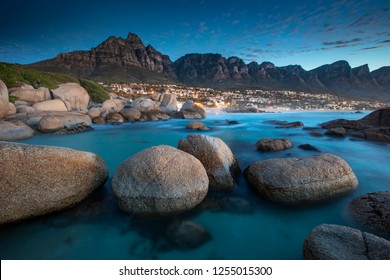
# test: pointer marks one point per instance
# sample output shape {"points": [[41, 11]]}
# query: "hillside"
{"points": [[12, 74]]}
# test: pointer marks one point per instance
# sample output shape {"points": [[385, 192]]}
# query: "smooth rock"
{"points": [[308, 147], [316, 133], [37, 180], [94, 112], [11, 108], [337, 131], [221, 165], [114, 118], [24, 109], [29, 94], [73, 93], [130, 114], [113, 105], [99, 120], [300, 180], [57, 121], [197, 126], [272, 144], [144, 104], [334, 242], [290, 125], [373, 211], [160, 180], [13, 132], [187, 234], [168, 103], [51, 105], [4, 107], [190, 110]]}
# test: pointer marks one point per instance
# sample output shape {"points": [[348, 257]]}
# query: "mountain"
{"points": [[118, 59], [115, 59]]}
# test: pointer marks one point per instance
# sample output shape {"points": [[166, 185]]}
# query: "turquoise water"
{"points": [[97, 229]]}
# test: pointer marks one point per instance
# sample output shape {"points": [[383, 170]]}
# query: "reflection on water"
{"points": [[242, 224]]}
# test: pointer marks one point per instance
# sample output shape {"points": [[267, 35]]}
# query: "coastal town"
{"points": [[240, 100]]}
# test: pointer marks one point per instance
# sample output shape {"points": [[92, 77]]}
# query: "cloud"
{"points": [[202, 27], [340, 42], [385, 42], [371, 48]]}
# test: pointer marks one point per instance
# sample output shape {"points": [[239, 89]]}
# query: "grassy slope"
{"points": [[11, 74]]}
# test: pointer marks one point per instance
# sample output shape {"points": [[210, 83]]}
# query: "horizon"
{"points": [[300, 33]]}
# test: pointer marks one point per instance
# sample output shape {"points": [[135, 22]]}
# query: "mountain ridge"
{"points": [[129, 60]]}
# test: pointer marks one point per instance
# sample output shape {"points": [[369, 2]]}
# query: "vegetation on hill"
{"points": [[12, 74]]}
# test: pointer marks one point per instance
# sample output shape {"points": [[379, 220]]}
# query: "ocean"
{"points": [[97, 229]]}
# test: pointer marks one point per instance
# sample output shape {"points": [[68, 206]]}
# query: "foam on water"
{"points": [[97, 229]]}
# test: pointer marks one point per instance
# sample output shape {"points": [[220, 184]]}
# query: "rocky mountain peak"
{"points": [[134, 39]]}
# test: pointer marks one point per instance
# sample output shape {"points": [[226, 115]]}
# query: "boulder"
{"points": [[160, 180], [29, 94], [373, 211], [73, 130], [272, 144], [221, 165], [190, 110], [37, 180], [187, 234], [380, 117], [51, 105], [24, 109], [144, 104], [12, 132], [197, 126], [4, 107], [99, 120], [316, 133], [11, 108], [57, 121], [130, 114], [298, 180], [114, 118], [112, 105], [73, 93], [290, 125], [308, 147], [94, 112], [337, 131], [334, 242], [168, 103]]}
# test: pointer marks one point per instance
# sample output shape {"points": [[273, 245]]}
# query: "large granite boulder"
{"points": [[73, 93], [144, 104], [94, 112], [51, 105], [160, 180], [112, 105], [168, 103], [12, 132], [4, 107], [130, 114], [373, 211], [334, 242], [221, 165], [190, 110], [29, 94], [273, 144], [56, 121], [298, 180], [37, 180]]}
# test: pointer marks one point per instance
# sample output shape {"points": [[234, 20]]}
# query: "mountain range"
{"points": [[129, 60]]}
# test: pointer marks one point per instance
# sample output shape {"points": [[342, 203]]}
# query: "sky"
{"points": [[285, 32]]}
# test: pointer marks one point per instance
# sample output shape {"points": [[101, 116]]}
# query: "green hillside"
{"points": [[12, 74]]}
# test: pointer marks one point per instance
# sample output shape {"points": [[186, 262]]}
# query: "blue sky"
{"points": [[309, 33]]}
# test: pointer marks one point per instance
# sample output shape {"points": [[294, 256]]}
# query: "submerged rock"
{"points": [[187, 234], [272, 144], [299, 180], [334, 242], [337, 131], [37, 180], [290, 125], [197, 126], [73, 130], [308, 147], [160, 180], [221, 165], [373, 211]]}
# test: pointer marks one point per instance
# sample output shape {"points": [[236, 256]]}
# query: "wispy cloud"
{"points": [[342, 42]]}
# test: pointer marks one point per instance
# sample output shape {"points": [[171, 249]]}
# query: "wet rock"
{"points": [[232, 122], [197, 126], [221, 165], [334, 242], [160, 180], [272, 144], [24, 109], [37, 180], [337, 131], [308, 147], [187, 234], [316, 133], [300, 180], [290, 125], [373, 211], [73, 130], [99, 120], [114, 118]]}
